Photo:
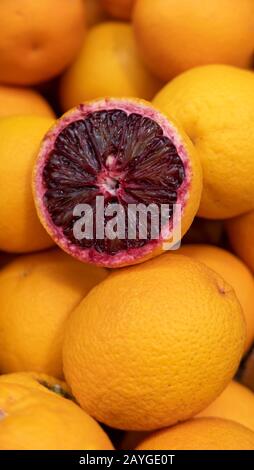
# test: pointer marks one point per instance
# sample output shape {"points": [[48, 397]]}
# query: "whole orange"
{"points": [[108, 65], [37, 294], [38, 39], [215, 106], [34, 420], [121, 9], [235, 272], [235, 403], [153, 344], [201, 434], [174, 36], [241, 234], [17, 100], [20, 228]]}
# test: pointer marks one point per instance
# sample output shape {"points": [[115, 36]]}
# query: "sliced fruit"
{"points": [[127, 153]]}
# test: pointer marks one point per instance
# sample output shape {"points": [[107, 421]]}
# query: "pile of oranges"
{"points": [[161, 350]]}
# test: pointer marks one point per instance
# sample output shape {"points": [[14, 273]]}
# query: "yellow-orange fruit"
{"points": [[236, 403], [201, 434], [34, 420], [20, 228], [37, 381], [174, 36], [17, 100], [241, 234], [235, 272], [39, 39], [222, 130], [157, 351], [37, 294], [108, 65]]}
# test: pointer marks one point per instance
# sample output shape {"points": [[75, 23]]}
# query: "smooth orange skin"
{"points": [[235, 272], [241, 235], [174, 36], [37, 294], [34, 420], [236, 403], [37, 381], [17, 100], [120, 9], [142, 359], [195, 184], [39, 39], [20, 228], [201, 434], [107, 65]]}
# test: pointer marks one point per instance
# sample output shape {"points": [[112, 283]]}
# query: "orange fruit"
{"points": [[39, 39], [236, 403], [121, 9], [37, 294], [34, 420], [15, 100], [222, 130], [37, 381], [94, 12], [174, 36], [201, 434], [157, 351], [108, 65], [121, 150], [234, 272], [20, 228], [241, 232]]}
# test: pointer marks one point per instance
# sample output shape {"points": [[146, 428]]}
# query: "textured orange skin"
{"points": [[153, 344], [34, 420], [241, 234], [234, 272], [37, 294], [108, 65], [33, 47], [120, 9], [36, 381], [174, 36], [235, 403], [201, 434], [15, 100], [222, 131], [195, 188], [20, 228]]}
